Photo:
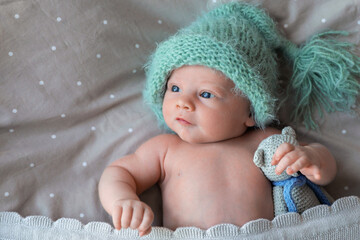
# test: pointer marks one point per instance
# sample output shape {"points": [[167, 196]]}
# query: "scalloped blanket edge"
{"points": [[339, 221]]}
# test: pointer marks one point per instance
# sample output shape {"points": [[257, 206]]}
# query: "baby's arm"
{"points": [[124, 179], [313, 160]]}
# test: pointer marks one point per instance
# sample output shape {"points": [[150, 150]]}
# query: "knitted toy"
{"points": [[241, 41], [291, 193]]}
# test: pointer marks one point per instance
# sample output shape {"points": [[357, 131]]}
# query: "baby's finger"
{"points": [[311, 170], [116, 216], [315, 172], [299, 164], [285, 162], [126, 216], [145, 226], [317, 175], [281, 151], [143, 233], [137, 217]]}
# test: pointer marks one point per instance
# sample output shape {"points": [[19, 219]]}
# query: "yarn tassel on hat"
{"points": [[325, 73]]}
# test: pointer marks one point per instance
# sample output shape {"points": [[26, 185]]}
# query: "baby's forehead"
{"points": [[199, 72]]}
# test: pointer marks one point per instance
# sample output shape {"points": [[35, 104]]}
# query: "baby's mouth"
{"points": [[182, 121]]}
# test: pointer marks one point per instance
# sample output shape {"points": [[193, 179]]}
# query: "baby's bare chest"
{"points": [[216, 184], [210, 168]]}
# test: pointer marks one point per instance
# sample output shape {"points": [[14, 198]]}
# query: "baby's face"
{"points": [[201, 106]]}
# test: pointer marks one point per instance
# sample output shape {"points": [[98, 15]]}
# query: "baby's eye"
{"points": [[207, 95], [175, 88]]}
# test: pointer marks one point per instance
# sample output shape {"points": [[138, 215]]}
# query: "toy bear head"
{"points": [[264, 154]]}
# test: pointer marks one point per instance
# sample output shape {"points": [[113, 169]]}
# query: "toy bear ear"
{"points": [[288, 131], [259, 158]]}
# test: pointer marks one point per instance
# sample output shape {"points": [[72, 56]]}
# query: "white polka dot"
{"points": [[346, 188], [98, 55], [53, 48], [82, 215], [41, 82], [137, 45], [84, 164], [32, 165], [11, 54], [6, 194], [11, 130], [286, 25], [79, 83], [323, 20], [214, 1], [63, 115], [130, 130], [134, 71], [105, 22], [343, 131], [159, 22], [51, 195], [112, 96], [358, 22], [93, 128], [53, 136], [16, 16], [14, 110], [58, 19]]}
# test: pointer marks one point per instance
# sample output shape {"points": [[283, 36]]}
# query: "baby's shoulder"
{"points": [[162, 141], [157, 146]]}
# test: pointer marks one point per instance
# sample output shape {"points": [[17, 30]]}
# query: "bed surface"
{"points": [[71, 80]]}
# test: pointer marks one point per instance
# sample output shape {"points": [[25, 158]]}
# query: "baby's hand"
{"points": [[294, 159], [134, 214]]}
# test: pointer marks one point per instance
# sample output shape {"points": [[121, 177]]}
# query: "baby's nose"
{"points": [[185, 104]]}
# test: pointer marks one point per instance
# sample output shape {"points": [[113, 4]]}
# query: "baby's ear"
{"points": [[250, 122], [259, 158]]}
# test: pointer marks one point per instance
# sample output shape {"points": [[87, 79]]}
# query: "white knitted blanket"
{"points": [[340, 221]]}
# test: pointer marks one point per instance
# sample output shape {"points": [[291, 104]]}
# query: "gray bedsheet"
{"points": [[71, 78]]}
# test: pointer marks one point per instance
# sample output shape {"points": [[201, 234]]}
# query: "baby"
{"points": [[213, 85]]}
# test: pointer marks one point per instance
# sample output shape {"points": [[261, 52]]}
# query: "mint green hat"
{"points": [[241, 41]]}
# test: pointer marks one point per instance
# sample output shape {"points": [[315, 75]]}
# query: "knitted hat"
{"points": [[241, 41]]}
